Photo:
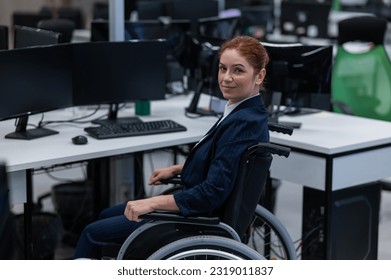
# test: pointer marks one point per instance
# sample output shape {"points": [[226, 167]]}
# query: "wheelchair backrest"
{"points": [[238, 210]]}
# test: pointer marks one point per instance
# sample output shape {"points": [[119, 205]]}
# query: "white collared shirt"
{"points": [[230, 107], [227, 110]]}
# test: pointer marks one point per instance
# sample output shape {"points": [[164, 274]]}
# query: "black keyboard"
{"points": [[133, 129]]}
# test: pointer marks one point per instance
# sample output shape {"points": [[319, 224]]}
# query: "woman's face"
{"points": [[237, 78]]}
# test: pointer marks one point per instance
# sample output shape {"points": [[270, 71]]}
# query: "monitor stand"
{"points": [[193, 107], [112, 117], [21, 131], [275, 111]]}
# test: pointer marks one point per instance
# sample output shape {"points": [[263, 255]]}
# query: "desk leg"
{"points": [[98, 171], [139, 191], [28, 213]]}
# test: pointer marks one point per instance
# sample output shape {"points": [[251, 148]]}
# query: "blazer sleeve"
{"points": [[229, 143]]}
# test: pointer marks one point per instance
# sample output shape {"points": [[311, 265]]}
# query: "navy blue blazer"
{"points": [[210, 171]]}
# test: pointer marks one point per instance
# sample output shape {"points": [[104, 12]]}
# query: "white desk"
{"points": [[22, 155], [358, 149], [58, 149]]}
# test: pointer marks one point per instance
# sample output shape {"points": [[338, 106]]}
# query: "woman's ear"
{"points": [[261, 76]]}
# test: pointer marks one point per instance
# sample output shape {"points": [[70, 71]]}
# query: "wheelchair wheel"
{"points": [[206, 247], [269, 237]]}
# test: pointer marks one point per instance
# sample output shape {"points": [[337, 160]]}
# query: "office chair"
{"points": [[229, 236], [73, 14], [361, 81], [7, 222], [29, 19], [3, 37], [63, 26]]}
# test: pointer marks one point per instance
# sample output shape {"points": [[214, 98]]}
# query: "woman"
{"points": [[210, 171]]}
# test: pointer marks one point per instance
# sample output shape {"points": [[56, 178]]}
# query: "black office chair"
{"points": [[73, 14], [7, 221], [228, 236], [3, 37], [63, 26]]}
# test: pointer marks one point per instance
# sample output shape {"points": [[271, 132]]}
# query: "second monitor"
{"points": [[118, 72]]}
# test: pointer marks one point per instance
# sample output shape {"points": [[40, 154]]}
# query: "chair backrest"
{"points": [[7, 228], [73, 14], [238, 209], [361, 80], [3, 37], [63, 26]]}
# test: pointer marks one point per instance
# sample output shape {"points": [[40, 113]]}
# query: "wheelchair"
{"points": [[243, 230]]}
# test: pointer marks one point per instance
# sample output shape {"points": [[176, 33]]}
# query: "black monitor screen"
{"points": [[193, 10], [302, 74], [173, 32], [28, 36], [305, 18], [118, 72], [35, 80], [218, 27]]}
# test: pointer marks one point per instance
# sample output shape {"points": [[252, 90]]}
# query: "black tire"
{"points": [[269, 237], [206, 247]]}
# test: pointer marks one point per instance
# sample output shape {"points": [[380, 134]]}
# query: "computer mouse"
{"points": [[79, 140]]}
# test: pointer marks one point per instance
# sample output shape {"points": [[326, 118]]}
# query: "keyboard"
{"points": [[114, 130]]}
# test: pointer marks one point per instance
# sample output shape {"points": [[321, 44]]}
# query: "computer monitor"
{"points": [[308, 18], [147, 9], [206, 78], [301, 74], [3, 37], [218, 27], [172, 31], [34, 80], [25, 36], [192, 10], [118, 72]]}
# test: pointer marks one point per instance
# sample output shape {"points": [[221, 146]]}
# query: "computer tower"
{"points": [[348, 230]]}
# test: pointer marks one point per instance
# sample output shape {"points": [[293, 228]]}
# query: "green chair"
{"points": [[361, 80]]}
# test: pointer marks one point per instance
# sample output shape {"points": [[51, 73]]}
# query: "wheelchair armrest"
{"points": [[174, 180], [280, 128], [176, 217]]}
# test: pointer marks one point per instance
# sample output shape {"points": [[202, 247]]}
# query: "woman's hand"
{"points": [[164, 173], [135, 208]]}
